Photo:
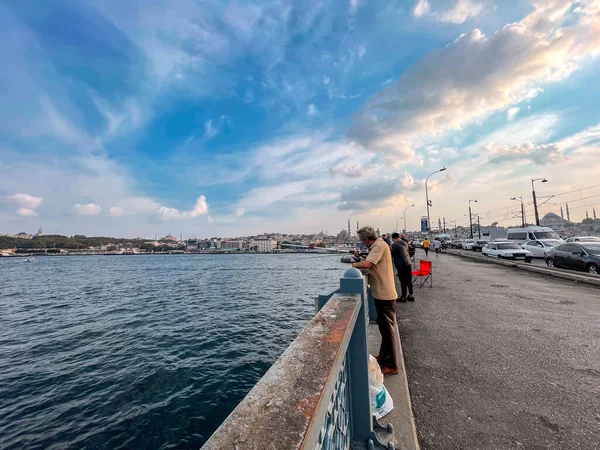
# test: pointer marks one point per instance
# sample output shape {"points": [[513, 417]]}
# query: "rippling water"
{"points": [[135, 352]]}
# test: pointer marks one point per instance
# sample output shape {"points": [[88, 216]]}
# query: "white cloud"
{"points": [[116, 211], [354, 170], [422, 8], [539, 154], [240, 212], [326, 80], [512, 112], [88, 209], [200, 208], [353, 6], [457, 86], [464, 9], [26, 200], [26, 212], [311, 110], [362, 50], [459, 13], [211, 130]]}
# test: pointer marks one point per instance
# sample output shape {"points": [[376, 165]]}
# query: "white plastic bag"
{"points": [[381, 400]]}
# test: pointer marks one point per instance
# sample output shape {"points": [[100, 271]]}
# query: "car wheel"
{"points": [[528, 260], [550, 262], [593, 268], [499, 256]]}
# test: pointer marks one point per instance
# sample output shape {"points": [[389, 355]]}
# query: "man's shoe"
{"points": [[389, 371], [402, 299], [411, 298]]}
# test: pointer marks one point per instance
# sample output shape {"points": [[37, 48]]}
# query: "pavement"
{"points": [[401, 417], [498, 358]]}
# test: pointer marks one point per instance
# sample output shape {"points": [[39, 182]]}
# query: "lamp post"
{"points": [[522, 209], [455, 228], [471, 217], [427, 196], [405, 217], [537, 216], [396, 227]]}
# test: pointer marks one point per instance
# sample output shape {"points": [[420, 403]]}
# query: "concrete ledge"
{"points": [[401, 417], [595, 281]]}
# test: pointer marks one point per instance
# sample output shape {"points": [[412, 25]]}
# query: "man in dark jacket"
{"points": [[401, 258], [411, 247]]}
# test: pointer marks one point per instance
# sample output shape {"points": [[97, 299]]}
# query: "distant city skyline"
{"points": [[227, 120]]}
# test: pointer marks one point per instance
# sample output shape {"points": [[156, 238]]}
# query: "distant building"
{"points": [[40, 232], [264, 245], [552, 220], [169, 237], [232, 244]]}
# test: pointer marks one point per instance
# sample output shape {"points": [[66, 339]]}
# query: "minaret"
{"points": [[568, 213], [595, 214], [562, 214], [357, 227], [587, 216], [349, 232]]}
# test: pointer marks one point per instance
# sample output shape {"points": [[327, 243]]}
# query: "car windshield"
{"points": [[508, 246], [593, 249], [546, 235], [551, 243]]}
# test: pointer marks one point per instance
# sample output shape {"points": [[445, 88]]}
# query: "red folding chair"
{"points": [[424, 275]]}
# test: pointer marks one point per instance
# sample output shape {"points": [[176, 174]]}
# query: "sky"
{"points": [[227, 118]]}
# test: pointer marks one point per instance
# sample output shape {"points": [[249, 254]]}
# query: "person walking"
{"points": [[426, 246], [383, 288], [402, 261], [436, 245]]}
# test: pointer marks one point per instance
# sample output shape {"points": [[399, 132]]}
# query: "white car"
{"points": [[507, 250], [583, 239], [468, 244], [540, 247]]}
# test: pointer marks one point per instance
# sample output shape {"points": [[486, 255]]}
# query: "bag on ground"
{"points": [[381, 400]]}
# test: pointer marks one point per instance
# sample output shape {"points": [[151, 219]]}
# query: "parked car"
{"points": [[583, 256], [478, 245], [457, 243], [468, 244], [583, 239], [540, 247], [507, 250]]}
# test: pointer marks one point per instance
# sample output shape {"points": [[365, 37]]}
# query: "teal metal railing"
{"points": [[316, 395]]}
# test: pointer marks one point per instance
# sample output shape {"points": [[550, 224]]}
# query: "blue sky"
{"points": [[229, 118]]}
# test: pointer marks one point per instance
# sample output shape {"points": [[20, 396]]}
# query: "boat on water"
{"points": [[29, 259], [347, 259]]}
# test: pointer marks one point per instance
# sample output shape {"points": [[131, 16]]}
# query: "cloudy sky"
{"points": [[228, 118]]}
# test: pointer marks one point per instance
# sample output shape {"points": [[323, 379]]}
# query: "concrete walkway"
{"points": [[502, 359]]}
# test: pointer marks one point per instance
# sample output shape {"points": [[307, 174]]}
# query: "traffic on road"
{"points": [[579, 253]]}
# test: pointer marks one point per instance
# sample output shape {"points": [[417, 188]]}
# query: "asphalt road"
{"points": [[502, 359]]}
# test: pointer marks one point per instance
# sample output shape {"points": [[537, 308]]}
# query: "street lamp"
{"points": [[522, 209], [537, 217], [396, 227], [470, 217], [455, 228], [427, 196], [405, 217]]}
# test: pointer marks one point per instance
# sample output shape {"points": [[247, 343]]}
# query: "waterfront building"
{"points": [[169, 237], [232, 244], [264, 245]]}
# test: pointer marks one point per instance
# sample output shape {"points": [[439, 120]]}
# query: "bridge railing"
{"points": [[316, 395]]}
